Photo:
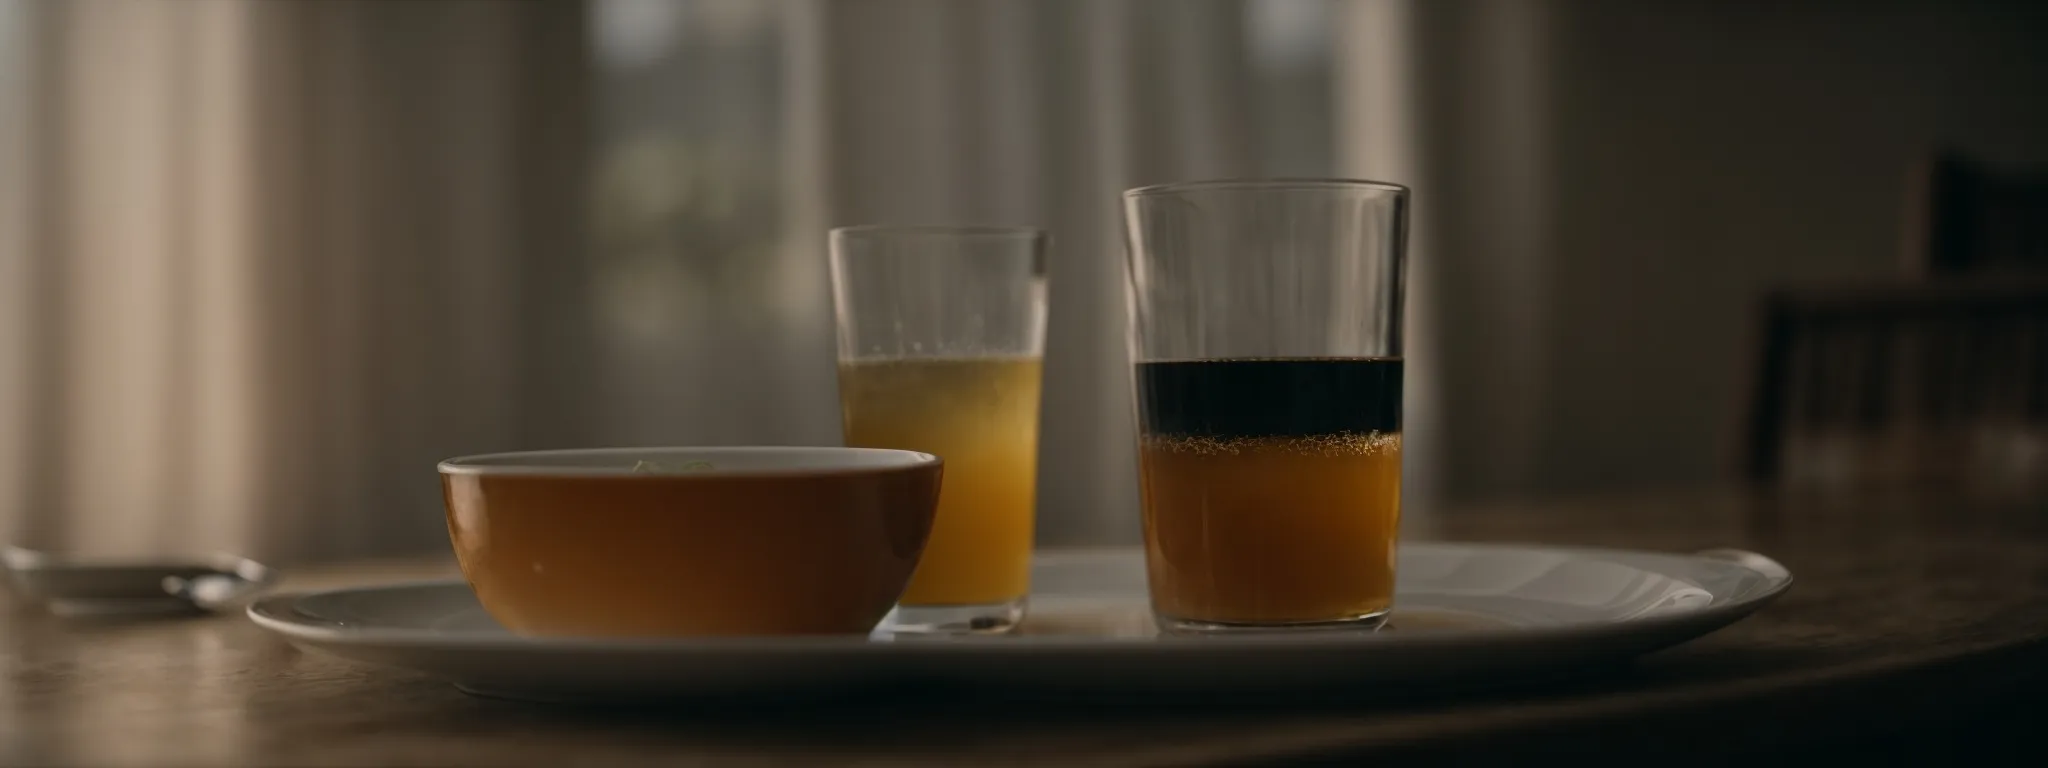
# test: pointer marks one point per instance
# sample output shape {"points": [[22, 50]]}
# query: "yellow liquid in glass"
{"points": [[981, 416]]}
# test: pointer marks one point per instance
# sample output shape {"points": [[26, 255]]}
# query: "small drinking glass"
{"points": [[1266, 335], [941, 338]]}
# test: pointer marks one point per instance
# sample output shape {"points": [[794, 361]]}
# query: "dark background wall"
{"points": [[1616, 182]]}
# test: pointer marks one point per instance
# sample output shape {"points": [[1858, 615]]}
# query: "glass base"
{"points": [[1367, 622], [991, 619]]}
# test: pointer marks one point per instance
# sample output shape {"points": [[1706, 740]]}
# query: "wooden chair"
{"points": [[1942, 382], [1968, 218]]}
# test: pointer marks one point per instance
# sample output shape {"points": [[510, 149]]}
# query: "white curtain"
{"points": [[264, 263]]}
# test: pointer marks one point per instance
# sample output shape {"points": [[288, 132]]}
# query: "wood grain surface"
{"points": [[1917, 629]]}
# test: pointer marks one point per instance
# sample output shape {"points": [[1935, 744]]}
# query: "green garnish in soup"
{"points": [[644, 466]]}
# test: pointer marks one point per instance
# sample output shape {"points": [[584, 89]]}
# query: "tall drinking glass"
{"points": [[1266, 334], [941, 336]]}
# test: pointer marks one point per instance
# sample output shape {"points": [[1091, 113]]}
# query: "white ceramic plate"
{"points": [[1464, 615]]}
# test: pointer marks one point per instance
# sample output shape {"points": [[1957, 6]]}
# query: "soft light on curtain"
{"points": [[271, 260], [275, 259]]}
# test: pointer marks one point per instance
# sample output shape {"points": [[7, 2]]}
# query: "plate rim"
{"points": [[275, 613]]}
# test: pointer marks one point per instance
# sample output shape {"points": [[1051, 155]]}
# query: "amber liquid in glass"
{"points": [[1271, 488], [981, 416]]}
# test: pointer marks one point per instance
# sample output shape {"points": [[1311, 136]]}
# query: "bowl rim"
{"points": [[481, 464]]}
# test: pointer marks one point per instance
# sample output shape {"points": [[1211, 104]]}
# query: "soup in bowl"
{"points": [[690, 542]]}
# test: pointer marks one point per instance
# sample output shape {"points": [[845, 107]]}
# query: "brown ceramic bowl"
{"points": [[690, 542]]}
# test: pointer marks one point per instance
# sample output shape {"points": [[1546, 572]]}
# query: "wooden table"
{"points": [[1918, 627]]}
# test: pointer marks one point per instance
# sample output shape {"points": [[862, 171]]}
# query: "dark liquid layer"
{"points": [[1269, 397]]}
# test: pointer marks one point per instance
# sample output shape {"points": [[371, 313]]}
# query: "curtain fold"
{"points": [[278, 259]]}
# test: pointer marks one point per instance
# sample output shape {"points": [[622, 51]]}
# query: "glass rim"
{"points": [[1306, 183], [995, 231]]}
